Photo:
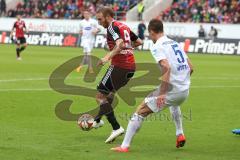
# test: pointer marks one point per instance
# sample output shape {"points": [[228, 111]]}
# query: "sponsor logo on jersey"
{"points": [[87, 28]]}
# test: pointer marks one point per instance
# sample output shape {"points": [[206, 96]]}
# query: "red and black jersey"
{"points": [[118, 30], [19, 26]]}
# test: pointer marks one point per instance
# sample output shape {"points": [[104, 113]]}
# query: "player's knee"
{"points": [[142, 113], [101, 98], [25, 45], [143, 110]]}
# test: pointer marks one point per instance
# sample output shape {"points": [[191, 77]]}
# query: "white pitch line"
{"points": [[26, 89], [25, 79], [214, 87], [29, 79], [49, 89], [80, 77]]}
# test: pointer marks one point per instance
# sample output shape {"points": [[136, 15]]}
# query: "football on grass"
{"points": [[85, 122]]}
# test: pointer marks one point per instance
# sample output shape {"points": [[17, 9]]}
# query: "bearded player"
{"points": [[19, 28], [176, 69], [121, 41]]}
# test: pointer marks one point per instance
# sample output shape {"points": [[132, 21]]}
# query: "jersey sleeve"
{"points": [[81, 26], [95, 24], [14, 25], [133, 36], [115, 32], [159, 53]]}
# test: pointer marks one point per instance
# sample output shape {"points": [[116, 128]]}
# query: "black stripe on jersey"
{"points": [[113, 32]]}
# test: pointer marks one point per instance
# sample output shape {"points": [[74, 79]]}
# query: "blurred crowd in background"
{"points": [[197, 11], [203, 11], [68, 9]]}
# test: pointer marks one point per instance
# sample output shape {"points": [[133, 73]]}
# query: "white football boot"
{"points": [[115, 134], [98, 125]]}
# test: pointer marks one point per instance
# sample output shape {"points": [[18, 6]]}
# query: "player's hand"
{"points": [[81, 32], [94, 32], [161, 100], [11, 37], [103, 61]]}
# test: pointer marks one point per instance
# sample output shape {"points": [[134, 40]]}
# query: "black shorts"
{"points": [[114, 79], [21, 40]]}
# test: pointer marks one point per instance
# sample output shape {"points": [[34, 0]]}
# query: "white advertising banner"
{"points": [[227, 31], [191, 45]]}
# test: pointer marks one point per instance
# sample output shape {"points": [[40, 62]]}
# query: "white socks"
{"points": [[177, 118], [133, 126], [136, 121]]}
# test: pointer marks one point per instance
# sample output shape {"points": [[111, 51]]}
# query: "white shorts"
{"points": [[87, 46], [172, 99]]}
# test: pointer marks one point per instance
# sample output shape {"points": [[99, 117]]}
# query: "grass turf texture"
{"points": [[29, 129]]}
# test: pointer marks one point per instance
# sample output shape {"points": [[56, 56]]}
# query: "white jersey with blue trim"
{"points": [[169, 49], [87, 27]]}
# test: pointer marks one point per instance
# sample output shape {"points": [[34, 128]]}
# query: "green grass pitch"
{"points": [[30, 130]]}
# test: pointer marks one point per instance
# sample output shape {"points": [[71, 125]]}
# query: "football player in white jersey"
{"points": [[88, 30], [176, 69]]}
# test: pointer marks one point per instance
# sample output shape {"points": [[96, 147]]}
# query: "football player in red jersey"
{"points": [[121, 41], [19, 28]]}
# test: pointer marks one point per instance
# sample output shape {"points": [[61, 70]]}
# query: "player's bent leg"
{"points": [[101, 100], [82, 62], [174, 101], [133, 126], [23, 47], [110, 97], [106, 109], [143, 110], [89, 62], [87, 49], [18, 52], [117, 129], [177, 118]]}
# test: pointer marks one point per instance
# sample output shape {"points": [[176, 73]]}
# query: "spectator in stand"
{"points": [[71, 9], [203, 11], [141, 30], [132, 3], [213, 33], [196, 11], [140, 8], [2, 8], [201, 32]]}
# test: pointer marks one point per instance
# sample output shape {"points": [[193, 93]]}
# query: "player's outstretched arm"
{"points": [[25, 29], [137, 43], [12, 31], [116, 50], [96, 31]]}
